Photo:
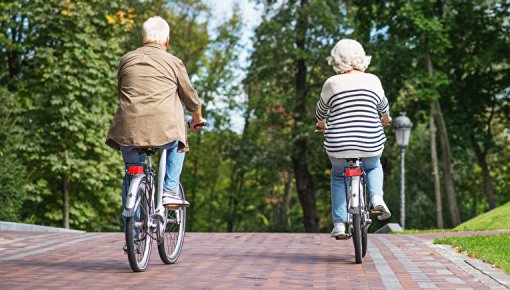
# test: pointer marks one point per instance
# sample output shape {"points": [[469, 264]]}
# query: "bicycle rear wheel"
{"points": [[138, 241], [356, 237], [172, 238]]}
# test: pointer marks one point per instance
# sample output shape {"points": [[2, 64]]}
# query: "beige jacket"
{"points": [[153, 85]]}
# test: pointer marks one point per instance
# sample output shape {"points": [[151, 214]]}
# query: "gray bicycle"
{"points": [[356, 191], [147, 219]]}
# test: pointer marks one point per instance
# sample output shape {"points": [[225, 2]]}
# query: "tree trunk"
{"points": [[481, 156], [435, 170], [445, 147], [194, 182], [287, 197], [305, 188], [13, 55], [447, 163], [233, 203], [304, 180], [65, 200], [239, 173]]}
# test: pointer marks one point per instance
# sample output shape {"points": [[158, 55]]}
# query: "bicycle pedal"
{"points": [[175, 206], [342, 237], [376, 212]]}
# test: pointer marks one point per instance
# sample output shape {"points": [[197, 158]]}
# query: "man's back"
{"points": [[145, 77], [152, 86]]}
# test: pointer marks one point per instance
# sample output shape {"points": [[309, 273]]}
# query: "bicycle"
{"points": [[356, 195], [147, 219]]}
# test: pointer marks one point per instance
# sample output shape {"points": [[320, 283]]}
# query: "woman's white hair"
{"points": [[347, 55], [155, 30]]}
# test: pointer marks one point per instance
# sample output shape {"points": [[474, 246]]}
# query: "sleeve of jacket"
{"points": [[383, 106], [322, 108], [187, 94], [119, 80]]}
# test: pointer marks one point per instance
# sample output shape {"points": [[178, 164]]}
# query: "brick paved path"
{"points": [[227, 261]]}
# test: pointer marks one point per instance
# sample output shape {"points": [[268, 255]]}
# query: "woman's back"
{"points": [[353, 102]]}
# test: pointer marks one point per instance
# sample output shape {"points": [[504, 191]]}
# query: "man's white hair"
{"points": [[347, 55], [155, 30]]}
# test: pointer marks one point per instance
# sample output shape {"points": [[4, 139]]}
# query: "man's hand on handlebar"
{"points": [[197, 124], [320, 126]]}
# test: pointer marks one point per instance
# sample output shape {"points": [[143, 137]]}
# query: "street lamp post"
{"points": [[402, 125]]}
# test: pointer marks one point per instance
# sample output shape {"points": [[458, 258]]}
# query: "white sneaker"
{"points": [[174, 201], [380, 206], [339, 231]]}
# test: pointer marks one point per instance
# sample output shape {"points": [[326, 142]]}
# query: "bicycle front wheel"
{"points": [[138, 241], [356, 238], [172, 238], [364, 239]]}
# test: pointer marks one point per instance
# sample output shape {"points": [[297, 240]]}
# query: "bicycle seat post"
{"points": [[149, 160]]}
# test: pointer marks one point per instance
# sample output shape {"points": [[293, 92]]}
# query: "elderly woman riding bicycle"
{"points": [[351, 101]]}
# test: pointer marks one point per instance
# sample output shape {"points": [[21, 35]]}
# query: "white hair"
{"points": [[347, 55], [155, 30]]}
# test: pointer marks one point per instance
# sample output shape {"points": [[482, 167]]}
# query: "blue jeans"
{"points": [[174, 163], [374, 172]]}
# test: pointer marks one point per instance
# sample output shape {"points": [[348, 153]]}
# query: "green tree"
{"points": [[479, 69], [450, 55], [14, 176], [286, 75], [67, 81]]}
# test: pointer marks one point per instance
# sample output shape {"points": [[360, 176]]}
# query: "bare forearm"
{"points": [[197, 115]]}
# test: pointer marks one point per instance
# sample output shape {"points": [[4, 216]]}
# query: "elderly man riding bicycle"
{"points": [[153, 86]]}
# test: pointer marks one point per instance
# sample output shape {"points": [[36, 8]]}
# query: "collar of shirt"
{"points": [[153, 44]]}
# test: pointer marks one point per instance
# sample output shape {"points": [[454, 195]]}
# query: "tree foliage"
{"points": [[58, 95]]}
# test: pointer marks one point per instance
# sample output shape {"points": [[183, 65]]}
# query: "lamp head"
{"points": [[402, 125]]}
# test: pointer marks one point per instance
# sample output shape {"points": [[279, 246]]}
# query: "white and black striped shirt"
{"points": [[352, 102]]}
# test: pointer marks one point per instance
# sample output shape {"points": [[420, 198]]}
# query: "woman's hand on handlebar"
{"points": [[320, 126], [386, 120]]}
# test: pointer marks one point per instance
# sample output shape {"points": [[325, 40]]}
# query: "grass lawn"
{"points": [[496, 219], [491, 249], [412, 231]]}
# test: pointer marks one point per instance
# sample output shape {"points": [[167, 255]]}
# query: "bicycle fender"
{"points": [[131, 196]]}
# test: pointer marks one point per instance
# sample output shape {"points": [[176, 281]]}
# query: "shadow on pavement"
{"points": [[304, 258], [88, 266]]}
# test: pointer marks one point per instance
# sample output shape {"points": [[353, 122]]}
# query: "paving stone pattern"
{"points": [[227, 261]]}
